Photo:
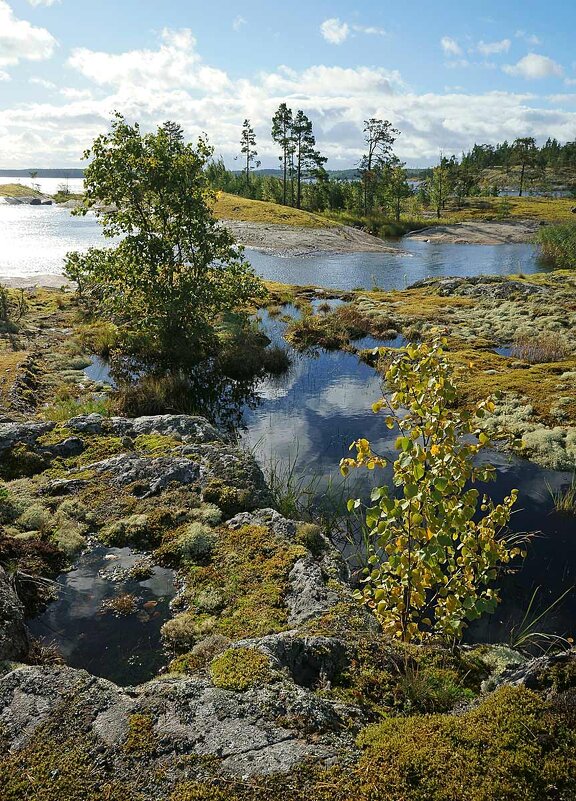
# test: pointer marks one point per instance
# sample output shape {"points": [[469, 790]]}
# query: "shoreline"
{"points": [[479, 232]]}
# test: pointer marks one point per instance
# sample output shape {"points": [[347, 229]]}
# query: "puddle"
{"points": [[126, 649]]}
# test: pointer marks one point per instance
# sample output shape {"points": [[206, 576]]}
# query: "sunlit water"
{"points": [[35, 240]]}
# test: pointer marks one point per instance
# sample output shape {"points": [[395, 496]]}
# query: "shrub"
{"points": [[69, 539], [208, 513], [183, 631], [200, 655], [35, 518], [431, 560], [310, 536], [172, 273]]}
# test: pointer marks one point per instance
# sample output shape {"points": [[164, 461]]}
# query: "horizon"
{"points": [[444, 80]]}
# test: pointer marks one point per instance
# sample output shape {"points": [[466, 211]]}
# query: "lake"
{"points": [[35, 240]]}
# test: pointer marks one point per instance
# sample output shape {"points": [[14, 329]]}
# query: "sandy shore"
{"points": [[503, 232], [291, 240]]}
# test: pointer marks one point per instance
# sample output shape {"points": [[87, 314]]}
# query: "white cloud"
{"points": [[530, 38], [174, 65], [75, 94], [21, 40], [42, 82], [4, 76], [370, 30], [534, 66], [171, 81], [334, 30], [450, 46], [238, 23], [43, 2], [491, 48]]}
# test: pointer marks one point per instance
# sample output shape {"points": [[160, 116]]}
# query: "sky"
{"points": [[446, 75]]}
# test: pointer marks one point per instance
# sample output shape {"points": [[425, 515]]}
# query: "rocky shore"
{"points": [[277, 675], [479, 232]]}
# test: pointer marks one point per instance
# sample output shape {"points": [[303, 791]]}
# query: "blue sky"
{"points": [[445, 78]]}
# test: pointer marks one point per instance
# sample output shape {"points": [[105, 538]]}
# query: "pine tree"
{"points": [[248, 149], [282, 124], [307, 158]]}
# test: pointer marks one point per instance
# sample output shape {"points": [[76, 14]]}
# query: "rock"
{"points": [[72, 446], [537, 674], [309, 597], [185, 427], [311, 661], [245, 733], [12, 434], [35, 201], [152, 475], [14, 642], [63, 486], [492, 286]]}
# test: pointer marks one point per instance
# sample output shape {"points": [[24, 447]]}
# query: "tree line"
{"points": [[382, 185]]}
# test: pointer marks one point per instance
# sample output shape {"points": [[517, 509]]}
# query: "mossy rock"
{"points": [[230, 500], [20, 462], [240, 669]]}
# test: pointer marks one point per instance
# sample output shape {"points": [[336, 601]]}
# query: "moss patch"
{"points": [[511, 747], [240, 668], [248, 571]]}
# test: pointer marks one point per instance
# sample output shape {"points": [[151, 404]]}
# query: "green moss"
{"points": [[156, 444], [510, 747], [56, 765], [230, 500], [20, 462], [248, 573], [141, 740], [240, 668], [310, 536], [54, 437]]}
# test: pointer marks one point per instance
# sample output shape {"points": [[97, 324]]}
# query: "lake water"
{"points": [[307, 418], [35, 240]]}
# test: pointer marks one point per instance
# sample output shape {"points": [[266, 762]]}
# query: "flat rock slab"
{"points": [[502, 232], [294, 240]]}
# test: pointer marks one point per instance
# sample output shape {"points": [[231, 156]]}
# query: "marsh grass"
{"points": [[527, 634], [65, 408], [309, 498], [564, 500], [546, 346], [558, 245]]}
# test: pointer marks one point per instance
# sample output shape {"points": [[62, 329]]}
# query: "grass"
{"points": [[18, 190], [547, 209], [233, 207], [565, 499], [541, 348], [558, 245]]}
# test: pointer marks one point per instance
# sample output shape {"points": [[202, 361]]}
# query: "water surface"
{"points": [[125, 649], [35, 240]]}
